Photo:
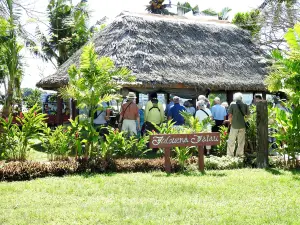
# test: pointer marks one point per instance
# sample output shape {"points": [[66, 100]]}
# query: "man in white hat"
{"points": [[129, 116]]}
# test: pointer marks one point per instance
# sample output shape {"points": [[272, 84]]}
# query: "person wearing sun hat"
{"points": [[129, 116]]}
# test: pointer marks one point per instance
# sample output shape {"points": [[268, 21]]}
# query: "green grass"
{"points": [[246, 196]]}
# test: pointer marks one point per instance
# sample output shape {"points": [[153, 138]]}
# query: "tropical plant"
{"points": [[10, 55], [285, 76], [117, 144], [158, 7], [16, 138], [251, 131], [68, 30], [222, 147], [248, 21], [183, 8], [224, 14], [194, 125], [32, 97], [93, 82], [164, 128], [182, 154], [56, 142], [209, 12]]}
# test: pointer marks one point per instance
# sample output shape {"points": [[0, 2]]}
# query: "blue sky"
{"points": [[35, 69]]}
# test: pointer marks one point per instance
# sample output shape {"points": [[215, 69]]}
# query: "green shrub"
{"points": [[117, 144], [16, 139], [223, 163], [56, 142]]}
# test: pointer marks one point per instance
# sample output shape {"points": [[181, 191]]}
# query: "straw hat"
{"points": [[131, 95]]}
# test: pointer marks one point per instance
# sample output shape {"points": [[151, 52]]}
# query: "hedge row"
{"points": [[20, 171]]}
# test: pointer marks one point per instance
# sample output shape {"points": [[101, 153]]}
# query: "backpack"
{"points": [[154, 104]]}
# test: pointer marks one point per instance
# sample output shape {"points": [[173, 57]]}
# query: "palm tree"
{"points": [[10, 54], [68, 30], [223, 15], [158, 7]]}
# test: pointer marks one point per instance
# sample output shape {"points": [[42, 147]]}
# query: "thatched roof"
{"points": [[165, 51]]}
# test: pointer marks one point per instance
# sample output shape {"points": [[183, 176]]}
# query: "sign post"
{"points": [[168, 141]]}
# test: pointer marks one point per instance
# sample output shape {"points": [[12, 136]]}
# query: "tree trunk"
{"points": [[7, 109], [262, 134]]}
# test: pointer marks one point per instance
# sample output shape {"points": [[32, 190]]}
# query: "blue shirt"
{"points": [[218, 112], [168, 107], [174, 113]]}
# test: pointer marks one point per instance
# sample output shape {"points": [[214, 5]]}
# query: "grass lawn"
{"points": [[246, 196]]}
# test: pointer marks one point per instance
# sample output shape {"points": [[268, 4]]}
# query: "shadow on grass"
{"points": [[90, 175], [274, 171], [191, 174]]}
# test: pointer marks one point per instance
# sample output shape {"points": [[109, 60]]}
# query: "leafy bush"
{"points": [[285, 76], [118, 145], [56, 143], [15, 138], [222, 163], [182, 155]]}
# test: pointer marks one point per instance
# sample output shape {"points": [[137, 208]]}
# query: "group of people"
{"points": [[134, 120]]}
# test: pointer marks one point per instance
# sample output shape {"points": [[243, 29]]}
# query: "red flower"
{"points": [[225, 133], [34, 113], [21, 115]]}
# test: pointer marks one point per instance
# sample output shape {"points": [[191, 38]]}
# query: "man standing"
{"points": [[174, 112], [154, 113], [219, 114], [129, 116], [237, 112]]}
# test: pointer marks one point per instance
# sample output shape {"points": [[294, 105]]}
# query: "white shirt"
{"points": [[101, 115], [202, 115], [191, 110]]}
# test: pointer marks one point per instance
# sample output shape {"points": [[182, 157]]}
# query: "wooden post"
{"points": [[168, 160], [194, 100], [262, 134], [137, 97], [168, 98], [73, 108], [264, 96], [229, 96], [201, 158], [59, 115]]}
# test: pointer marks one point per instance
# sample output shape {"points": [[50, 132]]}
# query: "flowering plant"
{"points": [[222, 147]]}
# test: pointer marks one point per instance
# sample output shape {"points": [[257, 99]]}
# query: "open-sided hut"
{"points": [[178, 55]]}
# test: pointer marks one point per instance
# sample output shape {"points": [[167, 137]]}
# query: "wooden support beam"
{"points": [[229, 96], [59, 115], [262, 134], [168, 98], [137, 97], [194, 100], [264, 95]]}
